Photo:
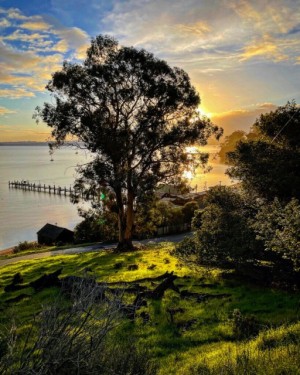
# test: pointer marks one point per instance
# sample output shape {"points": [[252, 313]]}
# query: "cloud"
{"points": [[73, 38], [241, 119], [5, 111], [206, 34], [16, 93], [18, 133], [267, 48], [4, 23], [35, 25], [198, 28], [32, 48]]}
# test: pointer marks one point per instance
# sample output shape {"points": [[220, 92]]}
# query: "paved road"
{"points": [[98, 247]]}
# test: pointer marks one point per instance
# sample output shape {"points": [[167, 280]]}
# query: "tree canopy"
{"points": [[136, 115], [270, 165]]}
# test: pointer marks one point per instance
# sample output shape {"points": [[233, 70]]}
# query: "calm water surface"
{"points": [[23, 213]]}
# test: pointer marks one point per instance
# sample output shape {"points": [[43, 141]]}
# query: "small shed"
{"points": [[51, 234]]}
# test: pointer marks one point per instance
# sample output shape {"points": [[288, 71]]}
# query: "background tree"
{"points": [[223, 231], [270, 166], [229, 144], [278, 226], [136, 115]]}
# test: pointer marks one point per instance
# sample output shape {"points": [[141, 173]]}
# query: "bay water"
{"points": [[23, 213]]}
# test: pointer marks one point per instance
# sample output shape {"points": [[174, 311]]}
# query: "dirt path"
{"points": [[85, 249]]}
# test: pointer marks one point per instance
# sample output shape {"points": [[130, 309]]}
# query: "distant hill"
{"points": [[28, 143]]}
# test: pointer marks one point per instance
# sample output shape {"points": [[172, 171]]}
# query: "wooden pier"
{"points": [[53, 189], [50, 189]]}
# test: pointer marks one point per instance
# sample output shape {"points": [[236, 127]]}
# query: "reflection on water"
{"points": [[216, 176]]}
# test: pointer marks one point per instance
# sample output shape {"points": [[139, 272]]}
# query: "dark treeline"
{"points": [[256, 228]]}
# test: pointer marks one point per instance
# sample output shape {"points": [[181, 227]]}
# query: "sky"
{"points": [[243, 56]]}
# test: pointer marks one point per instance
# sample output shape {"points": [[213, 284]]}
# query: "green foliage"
{"points": [[188, 211], [278, 226], [135, 113], [244, 326], [233, 139], [186, 248], [97, 227], [270, 165], [74, 335], [161, 214], [229, 144], [25, 245], [224, 234], [176, 347]]}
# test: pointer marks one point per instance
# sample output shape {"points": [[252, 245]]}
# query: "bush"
{"points": [[97, 227], [244, 327], [223, 229], [188, 211], [186, 248], [74, 337], [22, 246], [277, 225]]}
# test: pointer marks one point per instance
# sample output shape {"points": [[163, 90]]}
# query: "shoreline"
{"points": [[7, 251]]}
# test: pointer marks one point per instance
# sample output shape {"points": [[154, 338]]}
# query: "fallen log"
{"points": [[159, 291], [47, 281], [168, 283]]}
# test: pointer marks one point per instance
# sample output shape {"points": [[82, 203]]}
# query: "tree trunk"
{"points": [[121, 216], [129, 219], [125, 224]]}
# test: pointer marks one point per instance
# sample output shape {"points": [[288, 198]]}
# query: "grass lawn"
{"points": [[200, 337], [9, 253]]}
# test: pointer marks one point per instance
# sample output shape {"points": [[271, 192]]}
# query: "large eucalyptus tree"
{"points": [[136, 115]]}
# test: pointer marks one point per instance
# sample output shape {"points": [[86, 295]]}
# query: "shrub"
{"points": [[223, 229], [96, 227], [74, 337], [244, 327], [188, 211], [277, 225], [186, 248], [25, 245]]}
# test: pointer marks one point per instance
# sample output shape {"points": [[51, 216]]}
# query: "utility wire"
{"points": [[285, 125]]}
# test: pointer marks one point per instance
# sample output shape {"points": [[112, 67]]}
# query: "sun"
{"points": [[188, 175], [203, 112]]}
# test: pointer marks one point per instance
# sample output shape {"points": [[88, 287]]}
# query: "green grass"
{"points": [[42, 249], [201, 337]]}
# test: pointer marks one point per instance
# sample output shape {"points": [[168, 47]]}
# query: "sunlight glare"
{"points": [[188, 174]]}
